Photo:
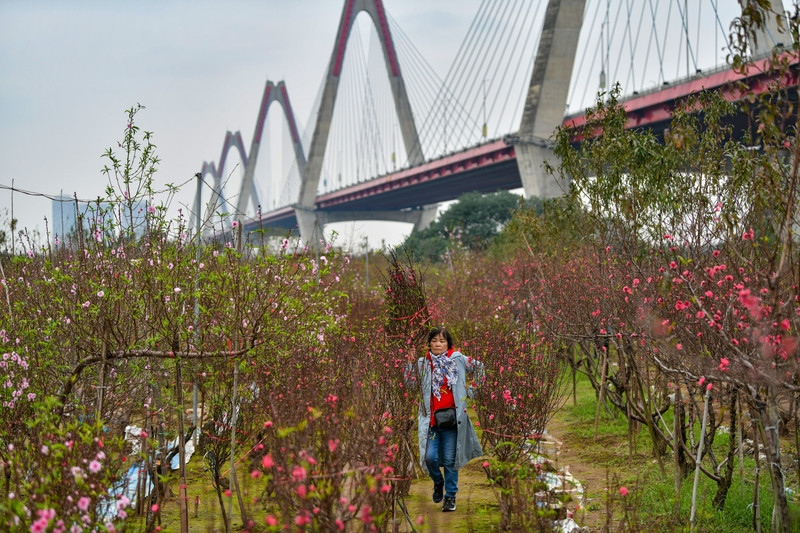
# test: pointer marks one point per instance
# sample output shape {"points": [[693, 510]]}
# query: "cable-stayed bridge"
{"points": [[389, 137]]}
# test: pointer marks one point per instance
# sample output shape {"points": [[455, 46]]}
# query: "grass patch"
{"points": [[651, 501]]}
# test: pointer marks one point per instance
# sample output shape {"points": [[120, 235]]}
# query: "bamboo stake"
{"points": [[676, 456], [101, 384], [233, 445], [182, 493], [699, 457], [740, 415], [242, 509], [197, 207], [5, 286]]}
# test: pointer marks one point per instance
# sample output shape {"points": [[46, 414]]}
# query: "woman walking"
{"points": [[447, 440]]}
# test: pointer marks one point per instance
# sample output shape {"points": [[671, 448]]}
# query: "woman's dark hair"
{"points": [[444, 333]]}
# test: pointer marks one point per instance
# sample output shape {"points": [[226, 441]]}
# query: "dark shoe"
{"points": [[438, 492], [449, 504]]}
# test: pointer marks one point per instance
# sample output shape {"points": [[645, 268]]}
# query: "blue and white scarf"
{"points": [[443, 367]]}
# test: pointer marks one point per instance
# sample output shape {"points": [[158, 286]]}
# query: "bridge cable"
{"points": [[466, 53], [658, 48], [503, 88], [423, 76], [499, 39], [526, 72], [686, 30], [597, 50], [721, 27], [493, 48], [611, 34]]}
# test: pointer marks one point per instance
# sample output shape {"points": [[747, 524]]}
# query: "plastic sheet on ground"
{"points": [[568, 525], [561, 481], [132, 436], [107, 507], [188, 448]]}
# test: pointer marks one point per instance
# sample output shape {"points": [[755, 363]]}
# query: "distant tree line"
{"points": [[473, 222]]}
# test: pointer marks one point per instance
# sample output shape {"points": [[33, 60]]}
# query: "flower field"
{"points": [[150, 373]]}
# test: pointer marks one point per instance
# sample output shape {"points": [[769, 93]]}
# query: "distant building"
{"points": [[111, 219]]}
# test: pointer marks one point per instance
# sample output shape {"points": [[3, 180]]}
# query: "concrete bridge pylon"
{"points": [[547, 96], [311, 222], [273, 92]]}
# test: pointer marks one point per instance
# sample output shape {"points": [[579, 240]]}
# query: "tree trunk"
{"points": [[724, 485], [770, 428], [756, 495], [600, 397]]}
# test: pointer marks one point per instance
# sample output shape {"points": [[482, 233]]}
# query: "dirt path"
{"points": [[477, 508], [574, 459]]}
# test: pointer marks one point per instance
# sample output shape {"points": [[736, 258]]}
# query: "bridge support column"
{"points": [[310, 226], [426, 216], [547, 95], [535, 180]]}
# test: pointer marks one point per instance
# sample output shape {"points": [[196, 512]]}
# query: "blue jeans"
{"points": [[441, 452]]}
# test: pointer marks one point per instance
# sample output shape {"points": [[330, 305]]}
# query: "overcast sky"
{"points": [[69, 70]]}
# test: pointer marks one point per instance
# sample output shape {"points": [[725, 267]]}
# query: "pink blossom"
{"points": [[271, 520], [83, 503], [123, 502], [95, 467], [299, 473], [40, 526], [267, 461], [623, 491]]}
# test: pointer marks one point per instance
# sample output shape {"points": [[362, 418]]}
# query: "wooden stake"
{"points": [[676, 456], [697, 464], [182, 492]]}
